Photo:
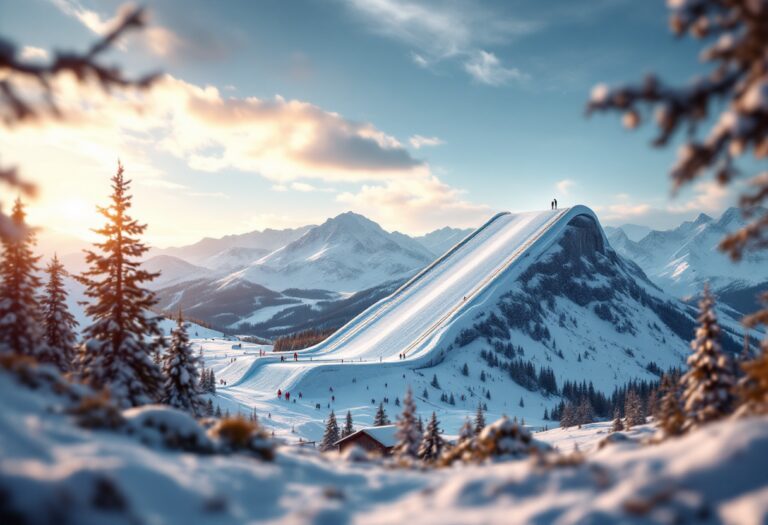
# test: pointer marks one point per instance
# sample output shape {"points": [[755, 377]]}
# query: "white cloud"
{"points": [[417, 204], [702, 197], [281, 140], [486, 68], [307, 188], [564, 186], [418, 141], [439, 30], [33, 53], [295, 145]]}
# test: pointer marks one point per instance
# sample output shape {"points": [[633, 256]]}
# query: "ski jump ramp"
{"points": [[417, 317]]}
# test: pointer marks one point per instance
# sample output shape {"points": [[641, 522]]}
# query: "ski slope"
{"points": [[412, 320]]}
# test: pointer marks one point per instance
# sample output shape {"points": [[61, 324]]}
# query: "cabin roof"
{"points": [[386, 435]]}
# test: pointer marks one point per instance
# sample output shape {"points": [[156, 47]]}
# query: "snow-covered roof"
{"points": [[384, 435]]}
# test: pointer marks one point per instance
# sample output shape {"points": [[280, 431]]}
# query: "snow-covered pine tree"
{"points": [[584, 412], [331, 434], [217, 413], [58, 322], [568, 417], [20, 313], [209, 408], [380, 419], [618, 425], [181, 388], [119, 344], [349, 428], [479, 420], [435, 383], [467, 431], [432, 442], [408, 435], [708, 385], [633, 410], [669, 414]]}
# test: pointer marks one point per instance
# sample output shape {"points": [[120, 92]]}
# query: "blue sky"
{"points": [[418, 114]]}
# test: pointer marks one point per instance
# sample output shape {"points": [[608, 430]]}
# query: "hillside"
{"points": [[569, 309], [682, 259]]}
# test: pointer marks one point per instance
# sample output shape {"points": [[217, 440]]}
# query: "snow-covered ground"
{"points": [[53, 471]]}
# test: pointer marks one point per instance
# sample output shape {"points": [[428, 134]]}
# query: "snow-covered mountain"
{"points": [[530, 303], [682, 259], [173, 270], [208, 249], [345, 254], [442, 240], [634, 232]]}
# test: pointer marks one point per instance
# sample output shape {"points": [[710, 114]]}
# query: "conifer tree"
{"points": [[633, 410], [479, 420], [432, 443], [218, 411], [211, 381], [408, 435], [19, 308], [584, 412], [709, 382], [380, 419], [181, 389], [420, 425], [124, 335], [331, 434], [209, 408], [618, 425], [58, 322], [348, 429], [669, 413], [467, 431], [568, 417]]}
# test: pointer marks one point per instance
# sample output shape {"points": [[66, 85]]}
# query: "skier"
{"points": [[295, 356], [282, 358], [555, 201], [287, 396], [333, 399], [300, 395], [279, 393]]}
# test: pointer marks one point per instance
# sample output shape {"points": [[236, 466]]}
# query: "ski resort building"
{"points": [[371, 439]]}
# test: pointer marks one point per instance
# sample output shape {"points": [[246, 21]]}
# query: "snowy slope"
{"points": [[173, 270], [543, 288], [681, 260], [56, 472]]}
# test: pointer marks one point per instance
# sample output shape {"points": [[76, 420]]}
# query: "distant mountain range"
{"points": [[279, 281], [682, 259]]}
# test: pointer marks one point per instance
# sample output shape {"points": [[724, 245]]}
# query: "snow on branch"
{"points": [[736, 35]]}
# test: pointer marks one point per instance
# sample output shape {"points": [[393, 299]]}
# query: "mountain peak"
{"points": [[703, 218], [731, 216]]}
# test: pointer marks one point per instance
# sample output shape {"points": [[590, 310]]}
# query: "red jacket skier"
{"points": [[279, 393]]}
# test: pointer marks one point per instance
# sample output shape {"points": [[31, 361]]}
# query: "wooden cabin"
{"points": [[377, 440]]}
